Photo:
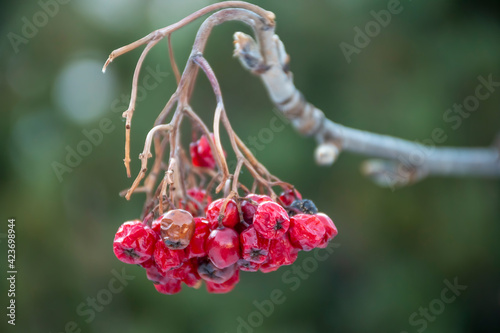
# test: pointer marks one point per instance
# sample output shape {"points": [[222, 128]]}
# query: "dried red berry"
{"points": [[254, 248], [187, 273], [306, 231], [330, 229], [230, 216], [289, 196], [177, 228], [201, 153], [249, 205], [209, 272], [169, 286], [247, 266], [196, 247], [166, 258], [271, 220], [223, 247], [134, 243], [198, 204], [224, 287], [153, 273], [281, 252]]}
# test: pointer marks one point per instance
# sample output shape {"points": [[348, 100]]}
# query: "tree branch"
{"points": [[406, 162]]}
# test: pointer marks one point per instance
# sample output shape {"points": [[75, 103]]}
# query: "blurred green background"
{"points": [[395, 248]]}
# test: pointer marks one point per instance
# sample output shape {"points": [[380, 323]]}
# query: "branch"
{"points": [[405, 162]]}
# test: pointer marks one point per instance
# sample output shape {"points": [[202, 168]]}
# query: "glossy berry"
{"points": [[208, 272], [166, 258], [230, 216], [177, 228], [289, 196], [254, 248], [249, 206], [224, 287], [271, 220], [248, 266], [223, 247], [302, 207], [306, 231], [169, 286], [330, 229], [196, 247], [201, 153], [134, 243], [281, 252]]}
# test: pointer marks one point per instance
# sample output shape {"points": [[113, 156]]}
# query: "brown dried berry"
{"points": [[177, 228]]}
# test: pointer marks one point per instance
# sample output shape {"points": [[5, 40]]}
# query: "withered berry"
{"points": [[330, 229], [177, 228], [230, 216], [208, 272], [254, 248], [306, 231], [134, 243], [302, 207], [271, 220]]}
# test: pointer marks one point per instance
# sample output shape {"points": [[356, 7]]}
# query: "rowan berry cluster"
{"points": [[251, 233]]}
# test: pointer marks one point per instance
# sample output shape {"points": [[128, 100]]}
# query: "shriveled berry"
{"points": [[289, 196], [305, 206], [306, 231], [281, 252], [201, 153], [330, 229], [267, 267], [254, 248], [187, 273], [248, 266], [169, 287], [166, 258], [223, 247], [134, 243], [271, 220], [230, 216], [224, 287], [196, 247], [209, 272], [177, 228], [153, 273], [249, 205]]}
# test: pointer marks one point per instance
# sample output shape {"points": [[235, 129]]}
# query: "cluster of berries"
{"points": [[251, 234]]}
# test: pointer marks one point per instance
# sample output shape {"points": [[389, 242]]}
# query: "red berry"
{"points": [[134, 243], [224, 287], [268, 267], [169, 287], [306, 231], [198, 204], [201, 153], [254, 248], [223, 247], [153, 273], [248, 266], [330, 229], [230, 215], [271, 220], [209, 272], [187, 273], [281, 252], [248, 207], [166, 258], [196, 247], [289, 196], [177, 228]]}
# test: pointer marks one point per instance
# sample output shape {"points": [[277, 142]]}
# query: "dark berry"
{"points": [[134, 243], [254, 248], [177, 228], [208, 272], [302, 207], [306, 231], [330, 229], [230, 216], [223, 247], [248, 266], [271, 220]]}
